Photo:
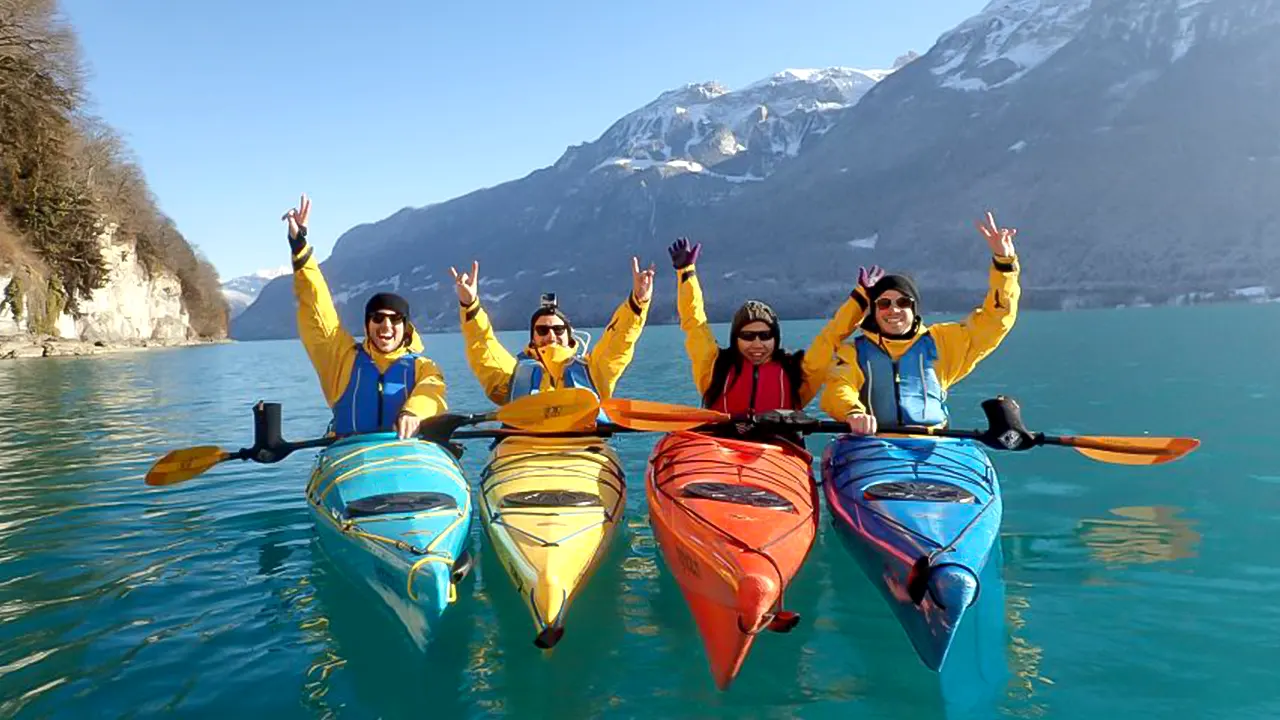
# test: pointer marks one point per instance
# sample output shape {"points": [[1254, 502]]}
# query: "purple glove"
{"points": [[867, 278], [681, 254]]}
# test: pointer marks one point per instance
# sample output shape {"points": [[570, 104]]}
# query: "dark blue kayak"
{"points": [[921, 516]]}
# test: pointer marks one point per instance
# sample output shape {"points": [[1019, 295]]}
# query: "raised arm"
{"points": [[321, 332], [489, 360], [611, 356], [821, 353], [962, 345], [699, 341]]}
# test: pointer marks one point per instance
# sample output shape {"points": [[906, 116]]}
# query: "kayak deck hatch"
{"points": [[399, 502], [740, 494]]}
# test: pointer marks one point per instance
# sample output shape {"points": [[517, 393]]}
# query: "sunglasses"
{"points": [[377, 318], [750, 335], [904, 302], [544, 330]]}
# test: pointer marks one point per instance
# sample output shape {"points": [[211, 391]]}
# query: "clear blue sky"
{"points": [[233, 108]]}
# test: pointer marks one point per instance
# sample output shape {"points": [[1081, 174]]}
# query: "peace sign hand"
{"points": [[467, 284], [297, 217], [999, 239], [641, 281]]}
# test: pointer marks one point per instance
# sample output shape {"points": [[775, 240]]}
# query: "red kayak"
{"points": [[735, 520]]}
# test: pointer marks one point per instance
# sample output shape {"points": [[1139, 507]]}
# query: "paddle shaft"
{"points": [[833, 426]]}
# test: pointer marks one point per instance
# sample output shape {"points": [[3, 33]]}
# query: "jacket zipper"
{"points": [[897, 391], [381, 420], [755, 378]]}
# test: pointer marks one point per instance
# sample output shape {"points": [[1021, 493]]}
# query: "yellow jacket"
{"points": [[333, 350], [493, 365], [700, 342], [961, 345]]}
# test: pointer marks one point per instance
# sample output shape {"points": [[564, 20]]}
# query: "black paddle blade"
{"points": [[1005, 428]]}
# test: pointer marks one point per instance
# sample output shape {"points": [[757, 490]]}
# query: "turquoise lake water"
{"points": [[1123, 591]]}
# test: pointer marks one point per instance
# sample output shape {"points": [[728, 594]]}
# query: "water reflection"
{"points": [[1025, 659], [1140, 535]]}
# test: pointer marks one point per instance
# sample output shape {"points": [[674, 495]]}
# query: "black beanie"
{"points": [[387, 301], [755, 311], [902, 284]]}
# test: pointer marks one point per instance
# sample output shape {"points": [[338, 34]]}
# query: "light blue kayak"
{"points": [[395, 514], [921, 516]]}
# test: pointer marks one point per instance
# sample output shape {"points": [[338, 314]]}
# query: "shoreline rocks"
{"points": [[17, 347]]}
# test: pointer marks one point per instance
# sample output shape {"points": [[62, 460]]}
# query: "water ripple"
{"points": [[1119, 591]]}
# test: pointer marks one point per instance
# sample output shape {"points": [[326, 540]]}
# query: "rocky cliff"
{"points": [[132, 306]]}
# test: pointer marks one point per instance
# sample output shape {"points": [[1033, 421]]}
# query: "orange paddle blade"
{"points": [[659, 417], [1131, 450], [181, 465]]}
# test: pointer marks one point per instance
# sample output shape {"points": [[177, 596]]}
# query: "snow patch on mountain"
{"points": [[865, 243], [1004, 42], [697, 127], [240, 292]]}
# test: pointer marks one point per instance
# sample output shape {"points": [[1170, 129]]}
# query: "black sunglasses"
{"points": [[750, 335], [903, 302], [377, 318], [543, 330]]}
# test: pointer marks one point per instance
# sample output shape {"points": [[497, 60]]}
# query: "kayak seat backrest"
{"points": [[400, 502], [552, 498], [738, 494], [920, 491]]}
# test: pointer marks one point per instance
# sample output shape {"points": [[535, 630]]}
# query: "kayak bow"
{"points": [[734, 520], [395, 514], [921, 517], [550, 508]]}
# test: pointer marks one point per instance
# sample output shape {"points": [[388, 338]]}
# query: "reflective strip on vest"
{"points": [[357, 410], [526, 379], [917, 398]]}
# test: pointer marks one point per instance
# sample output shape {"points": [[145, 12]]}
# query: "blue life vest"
{"points": [[526, 379], [906, 392], [373, 399]]}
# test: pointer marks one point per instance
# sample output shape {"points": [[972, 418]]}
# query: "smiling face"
{"points": [[895, 313], [385, 329], [756, 342], [550, 330]]}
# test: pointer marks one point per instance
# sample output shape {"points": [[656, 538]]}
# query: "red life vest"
{"points": [[755, 389]]}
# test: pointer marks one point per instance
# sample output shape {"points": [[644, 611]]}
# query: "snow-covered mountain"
{"points": [[242, 291], [692, 147], [1132, 142], [739, 135]]}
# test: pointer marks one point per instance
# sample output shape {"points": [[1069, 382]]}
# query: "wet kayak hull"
{"points": [[921, 517], [396, 515], [550, 508], [734, 522]]}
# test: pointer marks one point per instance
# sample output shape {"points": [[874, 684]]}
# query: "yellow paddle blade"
{"points": [[1132, 450], [553, 411], [659, 417], [181, 465]]}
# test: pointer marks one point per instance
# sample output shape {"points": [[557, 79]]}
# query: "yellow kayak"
{"points": [[550, 507]]}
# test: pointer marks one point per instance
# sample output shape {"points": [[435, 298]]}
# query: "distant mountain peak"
{"points": [[240, 292], [904, 60], [737, 135]]}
